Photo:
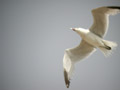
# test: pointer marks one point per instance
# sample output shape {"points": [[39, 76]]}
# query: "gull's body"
{"points": [[91, 39]]}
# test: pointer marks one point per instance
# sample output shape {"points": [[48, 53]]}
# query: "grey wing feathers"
{"points": [[82, 51], [101, 19], [74, 55]]}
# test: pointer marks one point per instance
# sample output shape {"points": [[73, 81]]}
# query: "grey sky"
{"points": [[34, 35]]}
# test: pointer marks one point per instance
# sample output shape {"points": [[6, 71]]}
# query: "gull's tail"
{"points": [[108, 47]]}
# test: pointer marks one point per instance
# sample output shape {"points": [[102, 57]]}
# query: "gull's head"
{"points": [[75, 29], [80, 31]]}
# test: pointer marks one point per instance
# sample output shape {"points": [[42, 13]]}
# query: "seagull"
{"points": [[92, 39]]}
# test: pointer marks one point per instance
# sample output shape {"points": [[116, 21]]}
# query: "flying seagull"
{"points": [[92, 38]]}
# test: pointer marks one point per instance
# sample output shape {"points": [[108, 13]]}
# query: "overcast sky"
{"points": [[34, 35]]}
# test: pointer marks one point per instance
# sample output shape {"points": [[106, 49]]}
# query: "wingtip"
{"points": [[67, 85], [114, 7], [67, 81]]}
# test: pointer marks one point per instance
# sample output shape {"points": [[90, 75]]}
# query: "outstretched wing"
{"points": [[101, 19], [74, 55]]}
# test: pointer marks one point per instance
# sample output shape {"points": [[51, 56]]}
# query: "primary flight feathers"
{"points": [[92, 38]]}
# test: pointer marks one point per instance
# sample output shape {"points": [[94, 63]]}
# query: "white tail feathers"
{"points": [[109, 47]]}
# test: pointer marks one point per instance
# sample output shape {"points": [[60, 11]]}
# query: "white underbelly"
{"points": [[93, 39]]}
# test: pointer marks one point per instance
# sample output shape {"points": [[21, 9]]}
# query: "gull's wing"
{"points": [[73, 55], [101, 19]]}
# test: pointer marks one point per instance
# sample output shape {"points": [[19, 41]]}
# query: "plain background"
{"points": [[34, 35]]}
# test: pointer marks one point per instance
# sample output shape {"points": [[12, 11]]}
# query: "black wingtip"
{"points": [[67, 81], [114, 7]]}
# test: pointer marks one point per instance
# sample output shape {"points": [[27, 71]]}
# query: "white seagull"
{"points": [[92, 38]]}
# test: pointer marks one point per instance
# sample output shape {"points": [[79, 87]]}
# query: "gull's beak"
{"points": [[73, 29]]}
